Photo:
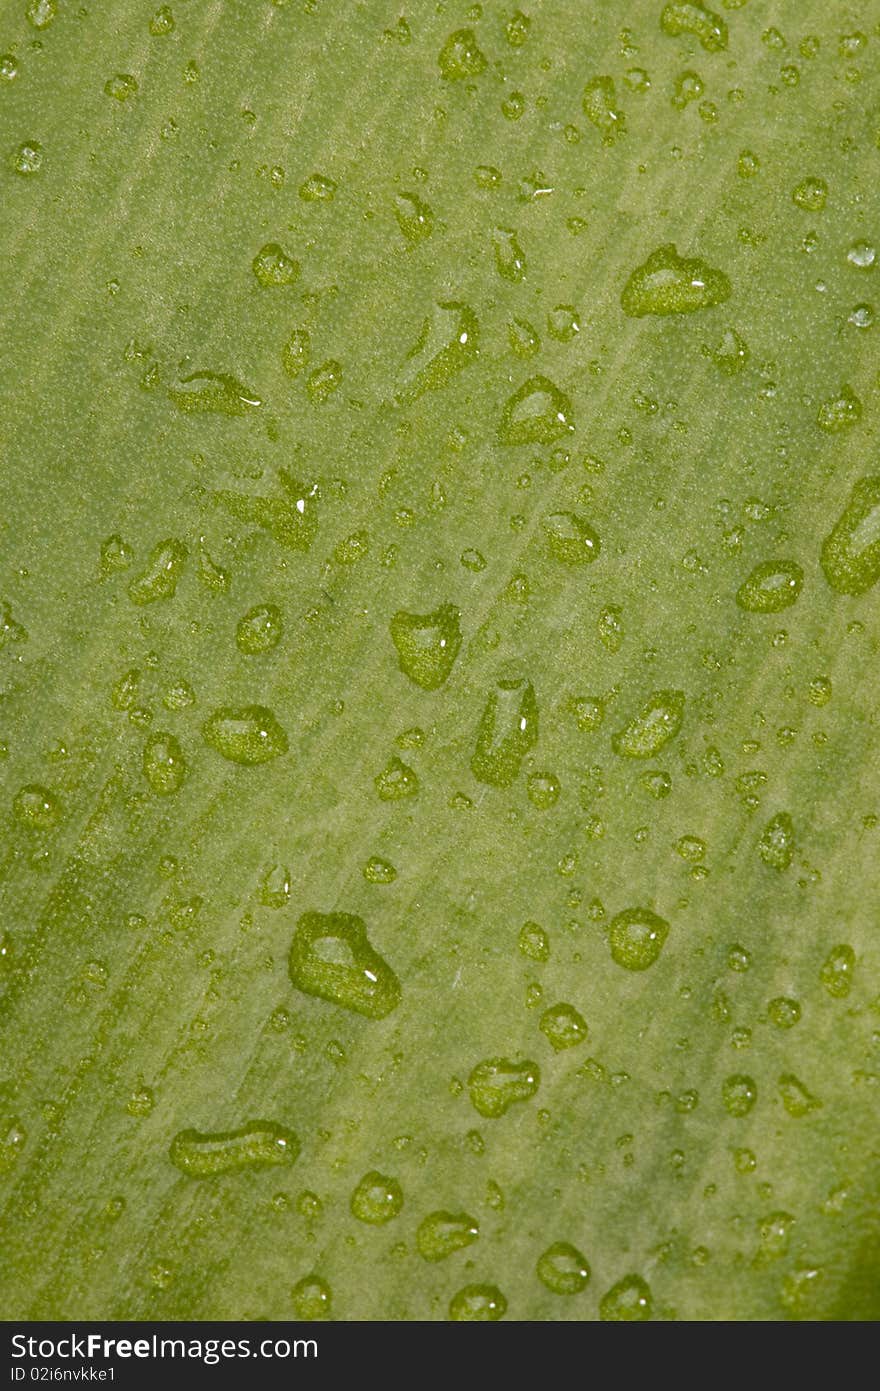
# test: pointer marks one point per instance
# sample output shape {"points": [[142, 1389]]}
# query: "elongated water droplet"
{"points": [[685, 18], [628, 1301], [563, 1269], [533, 942], [441, 1233], [331, 957], [292, 523], [213, 392], [537, 413], [671, 284], [600, 107], [837, 971], [427, 644], [477, 1304], [739, 1094], [461, 56], [163, 570], [379, 871], [259, 630], [509, 259], [414, 218], [245, 734], [256, 1144], [563, 1026], [732, 353], [797, 1099], [776, 846], [448, 342], [571, 538], [164, 763], [773, 585], [36, 807], [296, 353], [325, 379], [523, 338], [312, 1299], [850, 555], [10, 630], [376, 1199], [273, 266], [657, 722], [507, 731], [497, 1083], [636, 938]]}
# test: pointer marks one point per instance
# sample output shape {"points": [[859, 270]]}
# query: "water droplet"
{"points": [[862, 255], [441, 1233], [796, 1098], [543, 790], [121, 87], [739, 1094], [776, 846], [657, 722], [312, 1299], [630, 1299], [275, 886], [259, 630], [784, 1012], [13, 1138], [28, 158], [317, 188], [811, 195], [40, 13], [213, 392], [427, 644], [296, 353], [537, 413], [517, 29], [448, 342], [8, 67], [850, 554], [600, 107], [379, 871], [376, 1199], [563, 1269], [571, 538], [839, 412], [507, 731], [414, 217], [10, 630], [688, 88], [164, 764], [162, 22], [563, 323], [292, 523], [771, 586], [331, 957], [523, 338], [477, 1304], [510, 261], [461, 57], [533, 942], [563, 1026], [671, 284], [684, 18], [396, 780], [163, 570], [497, 1083], [325, 379], [636, 937], [837, 971], [245, 734], [255, 1144], [36, 806], [272, 266]]}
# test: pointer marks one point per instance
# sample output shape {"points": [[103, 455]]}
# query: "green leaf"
{"points": [[439, 593]]}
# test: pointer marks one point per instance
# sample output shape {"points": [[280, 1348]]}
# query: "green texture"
{"points": [[439, 625]]}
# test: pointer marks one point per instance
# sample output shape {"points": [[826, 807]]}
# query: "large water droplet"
{"points": [[636, 938], [376, 1199], [600, 107], [289, 521], [441, 1233], [685, 18], [461, 56], [477, 1304], [245, 734], [627, 1301], [851, 552], [537, 413], [571, 538], [272, 266], [427, 644], [739, 1094], [256, 1144], [671, 284], [563, 1269], [259, 630], [497, 1083], [773, 585], [163, 570], [214, 392], [563, 1026], [657, 722], [331, 957], [312, 1299], [776, 846], [507, 731], [396, 780], [448, 342]]}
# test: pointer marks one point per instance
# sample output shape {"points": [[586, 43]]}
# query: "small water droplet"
{"points": [[312, 1299], [563, 1026], [477, 1304], [442, 1233], [630, 1299], [259, 630], [376, 1199], [776, 846], [533, 942], [837, 971], [636, 937], [497, 1083], [600, 107], [396, 780], [213, 392], [272, 266], [739, 1094], [246, 734], [163, 763], [773, 585], [331, 957], [537, 413], [563, 1269], [461, 56], [36, 807], [658, 721]]}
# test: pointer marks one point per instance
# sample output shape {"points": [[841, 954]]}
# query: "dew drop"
{"points": [[312, 1299], [414, 217], [537, 413], [213, 393], [600, 107], [850, 554], [164, 764], [122, 87], [510, 261], [563, 1026], [636, 938], [706, 26], [272, 266], [331, 957], [571, 538], [773, 585], [36, 807], [296, 353], [739, 1094], [837, 971], [563, 1269], [796, 1098], [477, 1304], [376, 1199], [507, 731], [657, 722], [671, 284], [245, 734], [533, 942], [497, 1083], [811, 194], [461, 56], [840, 412], [442, 1233], [259, 630], [776, 846], [630, 1299], [396, 780], [256, 1144], [427, 644], [448, 342]]}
